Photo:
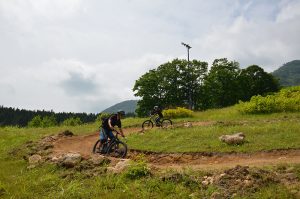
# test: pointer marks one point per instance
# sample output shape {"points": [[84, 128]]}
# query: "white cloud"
{"points": [[74, 55], [289, 12]]}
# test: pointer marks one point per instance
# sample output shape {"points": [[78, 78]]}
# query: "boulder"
{"points": [[99, 160], [122, 165], [34, 159], [69, 160], [66, 133], [237, 138], [188, 124]]}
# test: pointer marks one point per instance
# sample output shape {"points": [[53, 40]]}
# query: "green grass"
{"points": [[263, 132], [259, 136]]}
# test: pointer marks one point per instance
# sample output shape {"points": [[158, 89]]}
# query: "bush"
{"points": [[35, 122], [73, 121], [287, 100], [137, 170], [178, 113], [44, 122]]}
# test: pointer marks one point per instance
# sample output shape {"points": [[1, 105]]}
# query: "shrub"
{"points": [[287, 100], [73, 121], [178, 113], [46, 121], [137, 169], [49, 121], [35, 122]]}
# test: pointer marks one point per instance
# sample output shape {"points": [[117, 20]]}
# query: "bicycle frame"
{"points": [[153, 118]]}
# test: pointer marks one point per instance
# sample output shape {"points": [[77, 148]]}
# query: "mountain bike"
{"points": [[164, 123], [114, 148]]}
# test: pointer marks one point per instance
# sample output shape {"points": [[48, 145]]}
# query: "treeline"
{"points": [[21, 117], [180, 83]]}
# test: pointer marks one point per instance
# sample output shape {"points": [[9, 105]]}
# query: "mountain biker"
{"points": [[158, 111], [108, 126]]}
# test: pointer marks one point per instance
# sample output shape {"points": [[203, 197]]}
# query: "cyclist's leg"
{"points": [[157, 121], [110, 134], [103, 137]]}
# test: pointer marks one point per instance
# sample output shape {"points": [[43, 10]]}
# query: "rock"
{"points": [[99, 160], [46, 146], [237, 138], [120, 166], [34, 159], [69, 160], [188, 124], [290, 176], [216, 195], [207, 180], [48, 139], [193, 195], [66, 133]]}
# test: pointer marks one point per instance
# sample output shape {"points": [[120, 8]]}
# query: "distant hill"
{"points": [[128, 106], [289, 73]]}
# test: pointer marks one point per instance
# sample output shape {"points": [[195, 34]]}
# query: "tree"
{"points": [[73, 121], [255, 81], [221, 85], [169, 85], [35, 122]]}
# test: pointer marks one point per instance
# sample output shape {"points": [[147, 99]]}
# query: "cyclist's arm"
{"points": [[121, 132], [109, 124]]}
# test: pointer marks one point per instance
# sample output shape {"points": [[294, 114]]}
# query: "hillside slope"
{"points": [[128, 106], [289, 73]]}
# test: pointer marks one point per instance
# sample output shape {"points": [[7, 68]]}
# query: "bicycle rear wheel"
{"points": [[148, 124], [117, 149], [166, 123]]}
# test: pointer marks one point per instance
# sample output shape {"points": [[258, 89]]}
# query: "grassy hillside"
{"points": [[128, 106], [263, 132], [289, 73]]}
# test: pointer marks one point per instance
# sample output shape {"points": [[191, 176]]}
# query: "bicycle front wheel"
{"points": [[166, 123], [96, 148], [117, 149], [148, 124]]}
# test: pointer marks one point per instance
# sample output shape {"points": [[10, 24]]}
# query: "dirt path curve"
{"points": [[178, 161]]}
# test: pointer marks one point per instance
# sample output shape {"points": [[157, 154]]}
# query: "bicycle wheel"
{"points": [[148, 124], [166, 123], [117, 149], [96, 148]]}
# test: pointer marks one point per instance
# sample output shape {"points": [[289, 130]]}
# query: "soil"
{"points": [[178, 161]]}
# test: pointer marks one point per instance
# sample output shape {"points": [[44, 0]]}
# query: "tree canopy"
{"points": [[171, 84]]}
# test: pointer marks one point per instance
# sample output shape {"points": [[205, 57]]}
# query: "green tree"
{"points": [[73, 121], [35, 122], [253, 80], [221, 85], [169, 85], [49, 121]]}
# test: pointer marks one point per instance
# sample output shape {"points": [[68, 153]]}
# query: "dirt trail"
{"points": [[84, 145]]}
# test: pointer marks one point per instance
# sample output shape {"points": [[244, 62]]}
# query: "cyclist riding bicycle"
{"points": [[158, 111], [108, 126]]}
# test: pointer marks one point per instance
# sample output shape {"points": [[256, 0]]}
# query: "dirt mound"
{"points": [[242, 180]]}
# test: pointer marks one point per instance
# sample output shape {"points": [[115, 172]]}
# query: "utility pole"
{"points": [[188, 47]]}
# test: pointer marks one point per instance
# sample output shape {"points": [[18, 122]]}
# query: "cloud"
{"points": [[76, 84], [268, 43], [74, 55]]}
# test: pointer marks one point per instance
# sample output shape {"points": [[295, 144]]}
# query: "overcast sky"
{"points": [[85, 55]]}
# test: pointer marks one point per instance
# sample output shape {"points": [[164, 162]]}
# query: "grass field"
{"points": [[263, 132]]}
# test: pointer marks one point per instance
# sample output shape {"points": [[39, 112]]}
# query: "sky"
{"points": [[85, 55]]}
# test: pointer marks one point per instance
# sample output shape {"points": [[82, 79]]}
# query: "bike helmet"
{"points": [[121, 112]]}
